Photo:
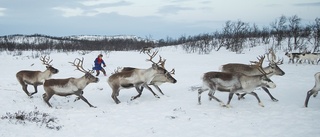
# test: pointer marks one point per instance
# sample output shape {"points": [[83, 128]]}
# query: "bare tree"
{"points": [[278, 29], [315, 34], [294, 30]]}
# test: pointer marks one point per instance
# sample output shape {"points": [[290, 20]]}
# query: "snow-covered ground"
{"points": [[176, 113]]}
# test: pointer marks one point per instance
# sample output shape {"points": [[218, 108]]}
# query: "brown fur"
{"points": [[233, 67], [136, 78], [221, 75], [79, 83], [54, 82], [122, 74], [232, 83], [35, 78]]}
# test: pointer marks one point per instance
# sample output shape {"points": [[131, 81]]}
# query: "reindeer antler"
{"points": [[162, 62], [119, 69], [273, 57], [79, 65], [152, 56], [258, 64], [46, 61], [173, 71]]}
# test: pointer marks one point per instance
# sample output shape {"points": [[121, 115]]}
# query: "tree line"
{"points": [[286, 33]]}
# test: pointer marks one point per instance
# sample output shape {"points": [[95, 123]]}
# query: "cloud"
{"points": [[2, 11], [70, 12], [105, 3], [308, 4], [94, 8], [172, 9]]}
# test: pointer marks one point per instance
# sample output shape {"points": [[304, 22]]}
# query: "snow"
{"points": [[176, 113]]}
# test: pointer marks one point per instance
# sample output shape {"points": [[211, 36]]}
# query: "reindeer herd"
{"points": [[308, 57], [233, 78]]}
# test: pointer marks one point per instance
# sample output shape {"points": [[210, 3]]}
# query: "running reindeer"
{"points": [[35, 78], [138, 78], [235, 83], [69, 86], [314, 91], [158, 79], [251, 70]]}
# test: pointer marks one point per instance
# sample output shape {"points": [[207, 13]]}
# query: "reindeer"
{"points": [[69, 86], [251, 70], [310, 57], [314, 91], [158, 79], [235, 83], [146, 49], [136, 78], [35, 78], [292, 56]]}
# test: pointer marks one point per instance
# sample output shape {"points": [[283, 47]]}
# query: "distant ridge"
{"points": [[39, 38]]}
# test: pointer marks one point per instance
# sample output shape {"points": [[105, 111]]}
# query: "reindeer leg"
{"points": [[229, 100], [139, 93], [25, 89], [309, 93], [154, 94], [158, 88], [35, 89], [256, 95], [147, 87], [84, 99], [199, 94], [211, 94], [267, 91], [115, 93], [240, 96], [35, 85], [24, 86], [78, 98], [46, 97]]}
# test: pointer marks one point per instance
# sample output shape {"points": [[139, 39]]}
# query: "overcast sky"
{"points": [[145, 18]]}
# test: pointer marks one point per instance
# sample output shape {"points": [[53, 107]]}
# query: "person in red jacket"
{"points": [[97, 65]]}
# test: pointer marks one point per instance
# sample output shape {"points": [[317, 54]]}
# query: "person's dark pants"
{"points": [[103, 71]]}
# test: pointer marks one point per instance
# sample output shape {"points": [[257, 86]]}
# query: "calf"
{"points": [[35, 78]]}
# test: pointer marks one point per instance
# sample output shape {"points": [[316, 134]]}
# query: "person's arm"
{"points": [[104, 64]]}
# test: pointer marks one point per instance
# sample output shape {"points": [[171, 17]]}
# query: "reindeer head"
{"points": [[46, 61], [267, 82], [164, 75], [88, 74]]}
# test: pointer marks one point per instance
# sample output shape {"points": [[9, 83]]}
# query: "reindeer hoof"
{"points": [[223, 105], [275, 100], [260, 104], [156, 96]]}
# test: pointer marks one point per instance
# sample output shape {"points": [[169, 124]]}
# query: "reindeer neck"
{"points": [[250, 82], [148, 74], [81, 82], [45, 74]]}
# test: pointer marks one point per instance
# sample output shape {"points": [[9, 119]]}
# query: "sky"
{"points": [[156, 19]]}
